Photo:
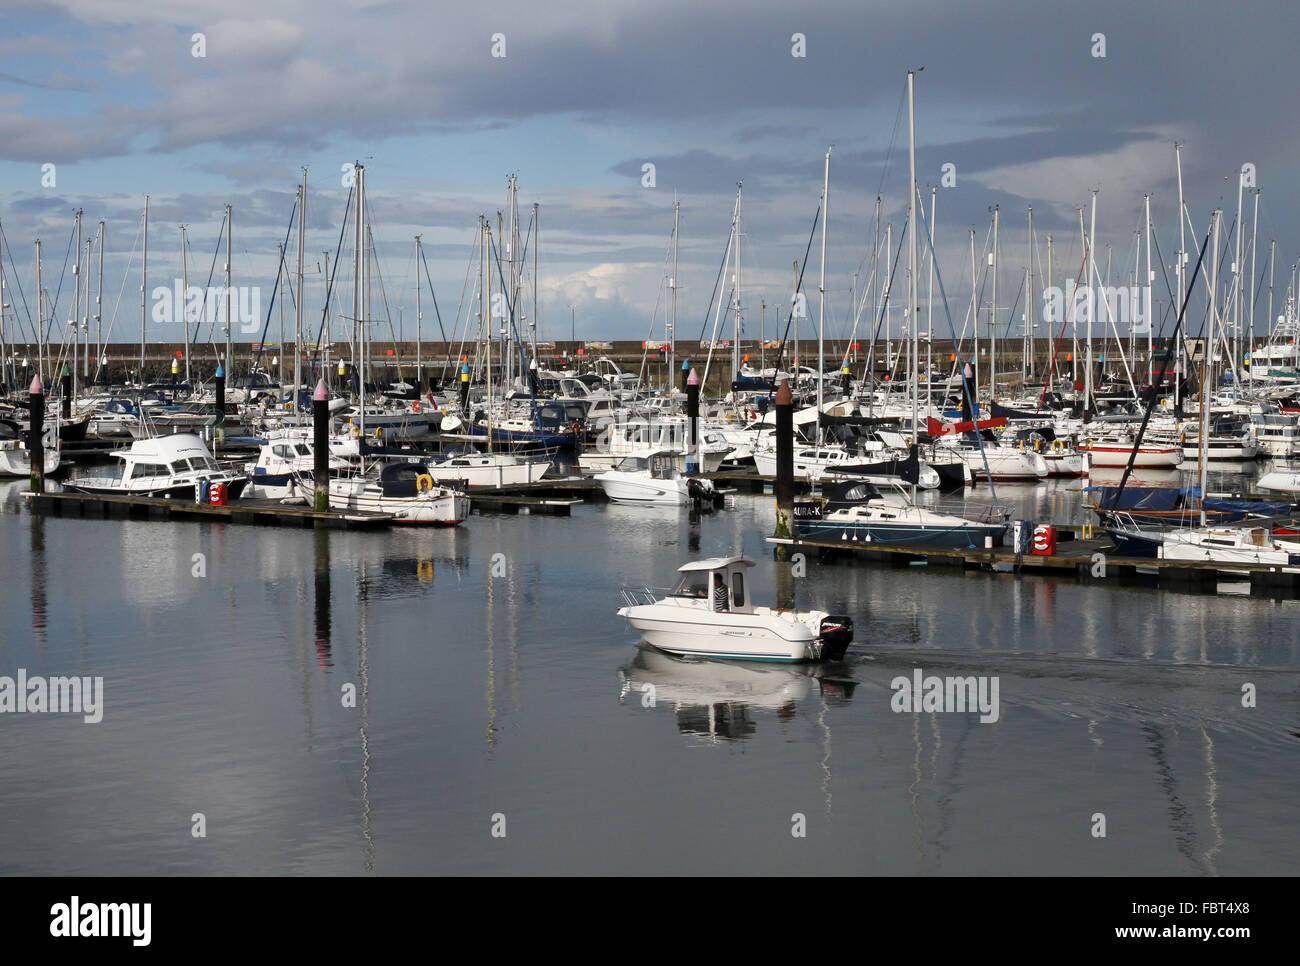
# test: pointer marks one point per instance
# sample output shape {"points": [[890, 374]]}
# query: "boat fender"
{"points": [[424, 483]]}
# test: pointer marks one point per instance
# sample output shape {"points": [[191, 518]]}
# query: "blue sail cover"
{"points": [[1259, 507]]}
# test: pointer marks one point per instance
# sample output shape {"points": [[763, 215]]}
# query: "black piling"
{"points": [[784, 459], [36, 436], [219, 423], [692, 419], [320, 422]]}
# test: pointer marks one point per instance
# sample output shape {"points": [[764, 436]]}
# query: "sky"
{"points": [[1031, 104]]}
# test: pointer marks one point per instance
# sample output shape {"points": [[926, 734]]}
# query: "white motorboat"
{"points": [[1226, 545], [405, 490], [285, 456], [475, 469], [651, 477], [699, 618], [176, 465], [809, 462]]}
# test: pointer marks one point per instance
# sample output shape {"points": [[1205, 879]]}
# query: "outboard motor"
{"points": [[703, 493], [834, 636]]}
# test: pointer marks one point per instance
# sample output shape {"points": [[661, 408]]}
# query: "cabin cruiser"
{"points": [[809, 462], [177, 465], [651, 476], [710, 614], [471, 468], [626, 436], [405, 490], [858, 511], [284, 457]]}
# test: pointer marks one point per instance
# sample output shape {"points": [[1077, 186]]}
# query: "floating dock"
{"points": [[1092, 559], [254, 512]]}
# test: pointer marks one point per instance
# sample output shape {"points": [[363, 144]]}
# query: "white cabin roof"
{"points": [[715, 563], [167, 448]]}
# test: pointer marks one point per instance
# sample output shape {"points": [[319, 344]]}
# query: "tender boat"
{"points": [[688, 620], [170, 466]]}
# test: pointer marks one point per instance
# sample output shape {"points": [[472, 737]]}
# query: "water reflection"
{"points": [[716, 700]]}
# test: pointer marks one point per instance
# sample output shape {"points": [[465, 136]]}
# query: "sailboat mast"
{"points": [[993, 316], [913, 231], [230, 257], [99, 301], [297, 322], [185, 301], [419, 320], [1092, 302], [76, 313], [821, 298], [1250, 318], [537, 242], [1203, 444], [1151, 277], [1179, 262], [672, 326], [144, 285], [487, 296], [735, 342], [359, 356]]}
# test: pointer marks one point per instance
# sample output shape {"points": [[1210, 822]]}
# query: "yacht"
{"points": [[858, 511], [690, 620]]}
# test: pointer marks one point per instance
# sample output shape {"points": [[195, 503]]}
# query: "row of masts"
{"points": [[1241, 305]]}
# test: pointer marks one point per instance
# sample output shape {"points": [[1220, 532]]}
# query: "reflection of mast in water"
{"points": [[491, 695], [1212, 801], [363, 701], [1179, 815]]}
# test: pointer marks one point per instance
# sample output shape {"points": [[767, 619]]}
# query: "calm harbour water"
{"points": [[519, 697]]}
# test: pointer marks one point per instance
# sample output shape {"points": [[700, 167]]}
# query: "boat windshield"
{"points": [[633, 464], [694, 583]]}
